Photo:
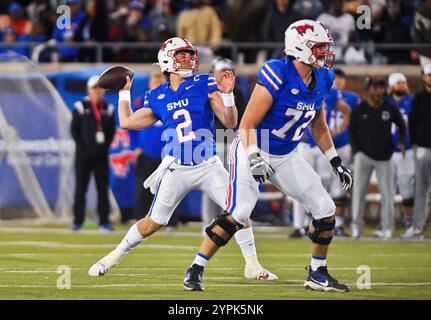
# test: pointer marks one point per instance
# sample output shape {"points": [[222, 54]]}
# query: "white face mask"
{"points": [[184, 73]]}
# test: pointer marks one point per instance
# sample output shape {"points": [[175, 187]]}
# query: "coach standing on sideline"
{"points": [[420, 136], [372, 146], [93, 128]]}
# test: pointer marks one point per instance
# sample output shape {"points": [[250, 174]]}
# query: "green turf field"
{"points": [[29, 258]]}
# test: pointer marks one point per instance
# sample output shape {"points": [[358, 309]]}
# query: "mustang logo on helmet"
{"points": [[166, 43], [303, 29]]}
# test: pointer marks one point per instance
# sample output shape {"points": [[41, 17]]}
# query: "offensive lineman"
{"points": [[287, 99], [186, 105]]}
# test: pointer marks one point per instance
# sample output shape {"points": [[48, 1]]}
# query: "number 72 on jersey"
{"points": [[298, 116]]}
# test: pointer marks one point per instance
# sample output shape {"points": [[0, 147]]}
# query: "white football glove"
{"points": [[260, 169]]}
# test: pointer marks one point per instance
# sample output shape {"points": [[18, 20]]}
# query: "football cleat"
{"points": [[193, 278], [298, 233], [383, 234], [107, 227], [76, 227], [413, 234], [356, 232], [251, 272], [339, 232], [101, 267], [320, 280]]}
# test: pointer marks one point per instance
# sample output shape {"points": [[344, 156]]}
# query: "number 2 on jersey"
{"points": [[296, 114], [185, 124]]}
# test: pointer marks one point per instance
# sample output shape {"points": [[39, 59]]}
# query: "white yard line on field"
{"points": [[261, 284]]}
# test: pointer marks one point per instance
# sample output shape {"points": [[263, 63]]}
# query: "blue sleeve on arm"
{"points": [[212, 84], [271, 77]]}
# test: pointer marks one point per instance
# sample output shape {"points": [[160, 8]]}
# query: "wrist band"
{"points": [[124, 95], [228, 99], [331, 153], [252, 148]]}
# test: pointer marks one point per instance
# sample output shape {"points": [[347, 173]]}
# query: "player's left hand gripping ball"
{"points": [[343, 173]]}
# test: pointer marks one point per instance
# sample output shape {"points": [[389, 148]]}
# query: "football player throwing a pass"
{"points": [[186, 105]]}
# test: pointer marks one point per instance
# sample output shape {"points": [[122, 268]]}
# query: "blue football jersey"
{"points": [[187, 118], [404, 105], [294, 104], [335, 118]]}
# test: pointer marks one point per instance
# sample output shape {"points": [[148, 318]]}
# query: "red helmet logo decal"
{"points": [[303, 29], [165, 44]]}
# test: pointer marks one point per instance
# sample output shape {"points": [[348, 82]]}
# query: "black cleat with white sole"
{"points": [[320, 280], [193, 278]]}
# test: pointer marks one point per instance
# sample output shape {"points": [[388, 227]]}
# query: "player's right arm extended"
{"points": [[133, 120], [258, 106]]}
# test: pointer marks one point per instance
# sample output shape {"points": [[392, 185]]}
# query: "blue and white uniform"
{"points": [[403, 167], [190, 160], [294, 107]]}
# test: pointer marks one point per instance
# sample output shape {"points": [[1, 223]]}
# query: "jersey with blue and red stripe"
{"points": [[335, 118], [187, 118], [294, 104], [405, 105]]}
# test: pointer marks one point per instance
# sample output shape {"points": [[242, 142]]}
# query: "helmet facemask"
{"points": [[321, 54], [185, 67]]}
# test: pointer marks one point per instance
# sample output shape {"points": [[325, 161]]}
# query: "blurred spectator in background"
{"points": [[65, 35], [244, 24], [19, 22], [420, 137], [309, 9], [394, 30], [372, 145], [134, 21], [200, 24], [422, 32], [5, 21], [164, 23], [8, 35], [399, 95], [277, 19], [93, 28], [42, 13], [340, 24], [93, 128]]}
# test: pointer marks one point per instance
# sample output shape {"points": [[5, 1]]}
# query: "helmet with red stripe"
{"points": [[172, 62], [309, 42]]}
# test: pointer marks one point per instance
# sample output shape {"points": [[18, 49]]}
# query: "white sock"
{"points": [[201, 260], [131, 240], [339, 221], [317, 262], [245, 240]]}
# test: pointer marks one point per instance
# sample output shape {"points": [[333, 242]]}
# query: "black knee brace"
{"points": [[320, 226], [229, 227], [408, 202]]}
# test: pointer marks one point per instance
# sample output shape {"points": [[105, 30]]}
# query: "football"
{"points": [[114, 78]]}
